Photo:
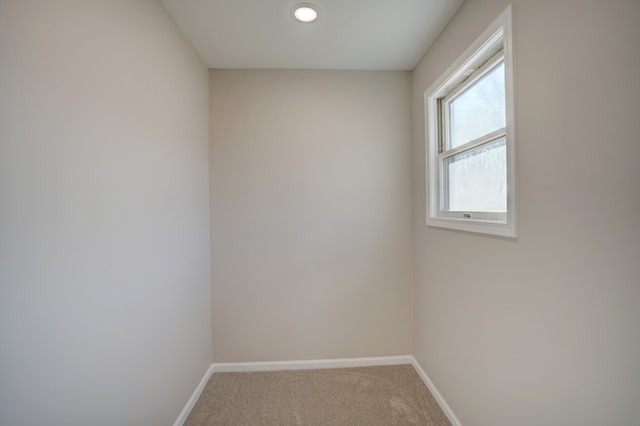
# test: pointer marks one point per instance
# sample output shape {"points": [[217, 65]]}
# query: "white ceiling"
{"points": [[349, 34]]}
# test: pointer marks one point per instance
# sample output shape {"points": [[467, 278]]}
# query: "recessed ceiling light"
{"points": [[305, 12]]}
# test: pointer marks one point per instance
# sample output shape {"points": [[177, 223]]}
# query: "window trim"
{"points": [[495, 42]]}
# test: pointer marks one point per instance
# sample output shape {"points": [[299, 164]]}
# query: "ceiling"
{"points": [[348, 34]]}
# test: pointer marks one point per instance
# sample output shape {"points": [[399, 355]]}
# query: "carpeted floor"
{"points": [[385, 395]]}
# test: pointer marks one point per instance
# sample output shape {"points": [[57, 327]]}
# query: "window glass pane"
{"points": [[478, 110], [477, 180]]}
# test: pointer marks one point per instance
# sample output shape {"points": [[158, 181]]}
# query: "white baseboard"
{"points": [[311, 364], [434, 391], [227, 367], [194, 398]]}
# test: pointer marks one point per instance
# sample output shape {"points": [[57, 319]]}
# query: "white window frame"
{"points": [[495, 44]]}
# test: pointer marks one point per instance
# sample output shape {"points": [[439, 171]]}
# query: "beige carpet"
{"points": [[386, 395]]}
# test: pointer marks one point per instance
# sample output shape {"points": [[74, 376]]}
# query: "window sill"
{"points": [[478, 226]]}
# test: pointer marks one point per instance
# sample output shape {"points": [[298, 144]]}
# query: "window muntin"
{"points": [[470, 133]]}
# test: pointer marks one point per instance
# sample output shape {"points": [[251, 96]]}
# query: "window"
{"points": [[470, 138]]}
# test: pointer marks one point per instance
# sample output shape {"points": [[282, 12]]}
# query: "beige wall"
{"points": [[544, 330], [310, 214], [104, 225], [104, 235]]}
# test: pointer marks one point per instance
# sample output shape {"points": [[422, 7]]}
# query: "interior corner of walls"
{"points": [[436, 394], [182, 417]]}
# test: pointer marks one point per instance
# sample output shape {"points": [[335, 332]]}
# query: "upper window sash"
{"points": [[445, 135], [475, 76]]}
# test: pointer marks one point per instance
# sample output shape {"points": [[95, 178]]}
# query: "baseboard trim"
{"points": [[436, 394], [194, 398], [228, 367], [312, 364]]}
